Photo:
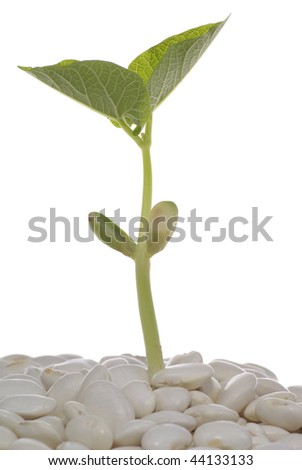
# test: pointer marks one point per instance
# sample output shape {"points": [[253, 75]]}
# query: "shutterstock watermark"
{"points": [[237, 229]]}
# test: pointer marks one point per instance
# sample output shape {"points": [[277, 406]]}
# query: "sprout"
{"points": [[128, 97]]}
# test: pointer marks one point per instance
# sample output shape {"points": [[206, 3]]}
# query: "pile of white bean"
{"points": [[67, 402]]}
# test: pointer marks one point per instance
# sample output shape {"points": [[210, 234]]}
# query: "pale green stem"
{"points": [[147, 171], [142, 260], [147, 313], [142, 265]]}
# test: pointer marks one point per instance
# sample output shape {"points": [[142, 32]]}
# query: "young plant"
{"points": [[129, 97]]}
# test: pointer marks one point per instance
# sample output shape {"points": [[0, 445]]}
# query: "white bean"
{"points": [[65, 389], [273, 433], [138, 360], [199, 398], [238, 392], [16, 363], [7, 437], [71, 445], [262, 369], [57, 424], [242, 421], [249, 411], [90, 430], [225, 370], [266, 385], [258, 440], [9, 419], [47, 360], [190, 357], [211, 388], [224, 435], [279, 412], [18, 386], [98, 372], [29, 406], [49, 376], [285, 394], [256, 372], [16, 358], [294, 440], [166, 437], [127, 448], [115, 361], [131, 433], [106, 400], [211, 412], [174, 417], [255, 429], [23, 376], [73, 409], [273, 446], [189, 376], [172, 398], [121, 375], [141, 396], [40, 431], [25, 443], [33, 372], [297, 390], [77, 364]]}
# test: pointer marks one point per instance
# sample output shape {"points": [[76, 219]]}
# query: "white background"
{"points": [[228, 139]]}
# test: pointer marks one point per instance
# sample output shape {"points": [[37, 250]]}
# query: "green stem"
{"points": [[147, 170], [142, 267], [147, 313]]}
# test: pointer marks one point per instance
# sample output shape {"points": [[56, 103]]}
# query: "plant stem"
{"points": [[147, 313], [142, 267], [147, 171]]}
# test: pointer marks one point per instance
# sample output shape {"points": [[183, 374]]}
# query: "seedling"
{"points": [[129, 97]]}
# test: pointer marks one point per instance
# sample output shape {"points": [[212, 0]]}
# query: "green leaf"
{"points": [[163, 218], [163, 66], [107, 88], [111, 234]]}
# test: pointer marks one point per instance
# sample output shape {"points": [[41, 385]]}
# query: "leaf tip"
{"points": [[26, 69], [224, 21]]}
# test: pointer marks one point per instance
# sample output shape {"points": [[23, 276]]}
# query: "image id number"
{"points": [[222, 459]]}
